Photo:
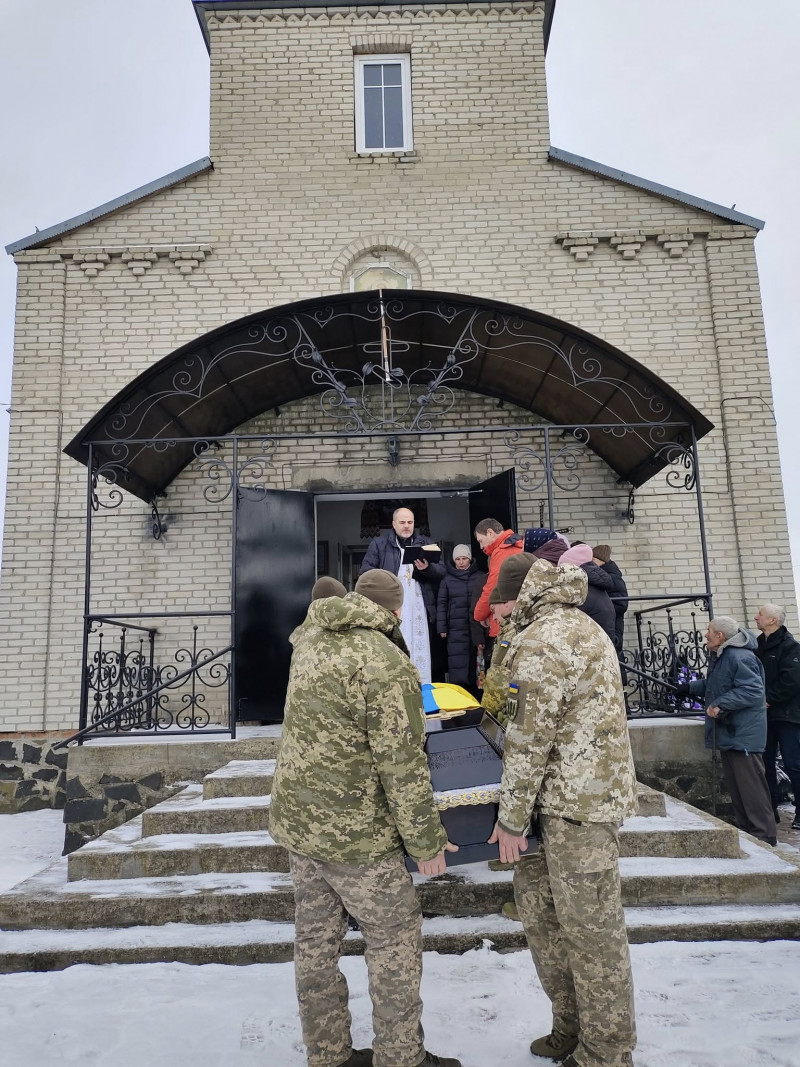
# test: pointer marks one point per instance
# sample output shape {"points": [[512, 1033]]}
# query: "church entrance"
{"points": [[286, 540], [268, 451]]}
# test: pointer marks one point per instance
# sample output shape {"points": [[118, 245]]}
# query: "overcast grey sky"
{"points": [[101, 96]]}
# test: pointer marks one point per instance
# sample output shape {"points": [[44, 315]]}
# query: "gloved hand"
{"points": [[682, 691]]}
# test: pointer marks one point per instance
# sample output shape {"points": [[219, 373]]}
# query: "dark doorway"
{"points": [[275, 565], [285, 540], [496, 498]]}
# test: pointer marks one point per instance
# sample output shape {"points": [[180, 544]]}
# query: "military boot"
{"points": [[359, 1057], [438, 1061], [555, 1046]]}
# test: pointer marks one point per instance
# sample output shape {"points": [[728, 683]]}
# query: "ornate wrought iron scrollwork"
{"points": [[122, 673], [405, 400], [681, 473], [532, 465], [221, 475], [630, 511], [158, 526], [107, 476]]}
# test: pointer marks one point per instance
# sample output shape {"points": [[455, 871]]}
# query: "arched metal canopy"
{"points": [[417, 347]]}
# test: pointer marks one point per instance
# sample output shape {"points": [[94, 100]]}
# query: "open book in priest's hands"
{"points": [[431, 553]]}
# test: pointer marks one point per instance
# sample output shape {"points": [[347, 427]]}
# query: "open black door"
{"points": [[496, 498], [275, 570]]}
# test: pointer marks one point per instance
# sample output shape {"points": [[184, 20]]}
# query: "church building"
{"points": [[384, 287]]}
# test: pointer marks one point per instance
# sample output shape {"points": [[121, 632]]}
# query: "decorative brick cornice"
{"points": [[514, 9], [187, 260], [627, 244], [139, 259], [581, 243], [91, 263], [675, 243]]}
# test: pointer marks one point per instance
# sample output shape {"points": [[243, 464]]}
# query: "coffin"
{"points": [[465, 759]]}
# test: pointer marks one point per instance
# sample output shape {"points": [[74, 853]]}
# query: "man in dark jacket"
{"points": [[779, 653], [420, 585], [736, 711]]}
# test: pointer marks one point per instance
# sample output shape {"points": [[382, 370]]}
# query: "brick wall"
{"points": [[287, 212]]}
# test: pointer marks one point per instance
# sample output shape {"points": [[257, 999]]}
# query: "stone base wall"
{"points": [[32, 775], [109, 783], [670, 755]]}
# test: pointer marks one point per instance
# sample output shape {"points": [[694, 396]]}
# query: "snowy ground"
{"points": [[28, 843], [698, 1005], [721, 1004]]}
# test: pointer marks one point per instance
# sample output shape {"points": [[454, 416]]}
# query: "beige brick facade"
{"points": [[288, 211]]}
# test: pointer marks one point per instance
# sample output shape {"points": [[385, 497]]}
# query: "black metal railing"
{"points": [[132, 686], [669, 650]]}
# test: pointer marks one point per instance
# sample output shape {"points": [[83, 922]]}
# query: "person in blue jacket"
{"points": [[736, 712]]}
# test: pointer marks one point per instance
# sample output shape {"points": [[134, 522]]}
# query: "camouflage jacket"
{"points": [[495, 684], [352, 782], [567, 749]]}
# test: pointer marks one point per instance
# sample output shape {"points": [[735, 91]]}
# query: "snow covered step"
{"points": [[680, 830], [50, 899], [240, 778], [124, 853], [189, 813], [257, 941]]}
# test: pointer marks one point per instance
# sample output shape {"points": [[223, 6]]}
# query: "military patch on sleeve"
{"points": [[512, 701]]}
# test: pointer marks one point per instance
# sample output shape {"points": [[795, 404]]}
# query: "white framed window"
{"points": [[383, 103]]}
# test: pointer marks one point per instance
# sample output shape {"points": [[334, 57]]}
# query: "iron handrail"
{"points": [[89, 728]]}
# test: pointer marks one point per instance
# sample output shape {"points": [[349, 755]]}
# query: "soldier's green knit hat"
{"points": [[512, 574], [325, 587], [382, 587]]}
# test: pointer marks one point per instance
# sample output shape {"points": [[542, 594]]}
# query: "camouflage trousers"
{"points": [[568, 898], [382, 899]]}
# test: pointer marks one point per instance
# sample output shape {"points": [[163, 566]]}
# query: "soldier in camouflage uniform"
{"points": [[351, 791], [568, 765]]}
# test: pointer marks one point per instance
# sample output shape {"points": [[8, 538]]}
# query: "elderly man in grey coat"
{"points": [[736, 722]]}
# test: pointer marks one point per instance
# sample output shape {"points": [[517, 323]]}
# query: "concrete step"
{"points": [[163, 855], [240, 778], [679, 831], [258, 941], [125, 853], [651, 802], [252, 778], [193, 812], [50, 899], [189, 813]]}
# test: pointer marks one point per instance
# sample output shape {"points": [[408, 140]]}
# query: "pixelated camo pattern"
{"points": [[352, 782], [567, 749]]}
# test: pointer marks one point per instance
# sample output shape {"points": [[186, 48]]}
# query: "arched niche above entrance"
{"points": [[382, 261], [420, 347]]}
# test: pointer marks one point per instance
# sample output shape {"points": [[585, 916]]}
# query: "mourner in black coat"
{"points": [[602, 557], [458, 593], [598, 604], [385, 553], [779, 653]]}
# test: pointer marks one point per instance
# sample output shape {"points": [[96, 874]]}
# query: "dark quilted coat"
{"points": [[457, 591]]}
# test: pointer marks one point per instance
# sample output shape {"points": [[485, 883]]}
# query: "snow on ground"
{"points": [[29, 842], [714, 1004], [724, 1004]]}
